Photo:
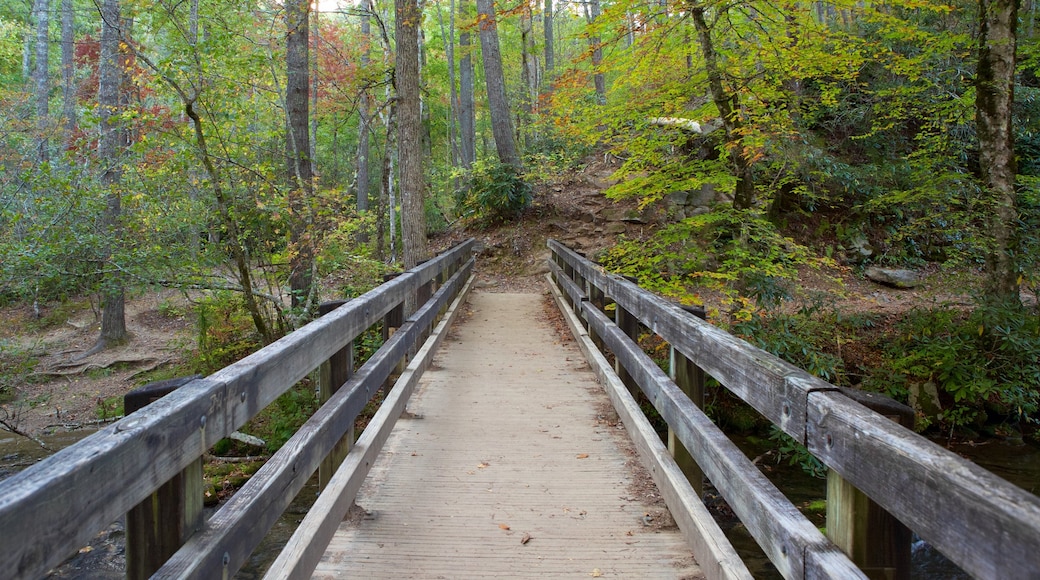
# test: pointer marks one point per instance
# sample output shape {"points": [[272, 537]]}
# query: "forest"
{"points": [[270, 155]]}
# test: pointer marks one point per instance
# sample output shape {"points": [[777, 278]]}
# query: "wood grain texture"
{"points": [[234, 531], [57, 505], [776, 389], [502, 441], [784, 534], [713, 551], [987, 526], [304, 549]]}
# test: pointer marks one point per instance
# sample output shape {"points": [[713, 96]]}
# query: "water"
{"points": [[1014, 462]]}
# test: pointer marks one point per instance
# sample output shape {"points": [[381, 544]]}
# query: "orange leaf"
{"points": [[503, 526], [583, 456]]}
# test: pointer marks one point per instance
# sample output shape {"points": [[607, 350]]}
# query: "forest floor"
{"points": [[63, 391]]}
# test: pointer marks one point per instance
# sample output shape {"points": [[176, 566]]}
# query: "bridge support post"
{"points": [[158, 526], [690, 378], [596, 298], [629, 325], [391, 322], [872, 538], [333, 373]]}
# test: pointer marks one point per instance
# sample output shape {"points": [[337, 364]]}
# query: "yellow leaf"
{"points": [[596, 573]]}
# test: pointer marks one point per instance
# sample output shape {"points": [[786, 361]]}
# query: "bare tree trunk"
{"points": [[547, 22], [386, 184], [744, 194], [110, 154], [467, 101], [68, 71], [301, 178], [449, 35], [995, 83], [364, 114], [528, 60], [410, 132], [498, 102], [314, 94], [592, 11], [41, 78]]}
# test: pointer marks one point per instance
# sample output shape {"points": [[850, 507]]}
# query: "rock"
{"points": [[893, 277], [614, 228], [924, 398], [703, 197], [247, 439], [859, 247]]}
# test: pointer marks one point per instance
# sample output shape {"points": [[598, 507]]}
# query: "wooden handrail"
{"points": [[987, 526], [56, 506]]}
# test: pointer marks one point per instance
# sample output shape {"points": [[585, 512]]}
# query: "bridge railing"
{"points": [[987, 526], [53, 508]]}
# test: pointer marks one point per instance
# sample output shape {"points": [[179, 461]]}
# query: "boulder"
{"points": [[893, 277]]}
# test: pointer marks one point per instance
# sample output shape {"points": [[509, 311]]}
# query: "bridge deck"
{"points": [[505, 467]]}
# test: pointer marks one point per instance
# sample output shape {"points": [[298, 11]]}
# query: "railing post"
{"points": [[873, 539], [332, 375], [690, 378], [630, 326], [158, 526], [391, 322], [597, 300]]}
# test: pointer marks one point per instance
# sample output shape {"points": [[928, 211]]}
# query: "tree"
{"points": [[467, 101], [725, 101], [68, 70], [410, 132], [300, 169], [995, 85], [41, 76], [498, 102], [592, 14], [111, 142], [364, 112], [547, 19]]}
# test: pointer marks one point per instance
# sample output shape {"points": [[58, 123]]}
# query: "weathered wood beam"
{"points": [[234, 531], [59, 504]]}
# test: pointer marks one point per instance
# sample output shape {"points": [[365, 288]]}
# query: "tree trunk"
{"points": [[449, 35], [410, 132], [110, 154], [592, 11], [498, 102], [467, 102], [314, 95], [68, 71], [995, 82], [364, 113], [41, 78], [301, 178], [744, 193], [547, 21]]}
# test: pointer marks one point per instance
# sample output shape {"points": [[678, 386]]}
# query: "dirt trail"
{"points": [[67, 392]]}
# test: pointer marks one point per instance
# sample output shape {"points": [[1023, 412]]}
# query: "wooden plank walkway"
{"points": [[504, 467]]}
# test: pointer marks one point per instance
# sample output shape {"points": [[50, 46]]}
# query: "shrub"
{"points": [[494, 193]]}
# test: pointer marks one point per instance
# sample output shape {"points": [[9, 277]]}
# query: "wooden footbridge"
{"points": [[503, 450]]}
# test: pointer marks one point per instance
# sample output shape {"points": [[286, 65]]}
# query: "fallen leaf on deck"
{"points": [[583, 456], [596, 573], [504, 526], [525, 539], [483, 464]]}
